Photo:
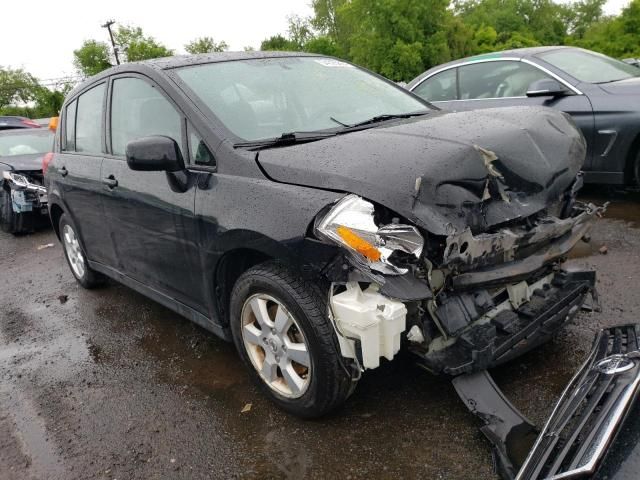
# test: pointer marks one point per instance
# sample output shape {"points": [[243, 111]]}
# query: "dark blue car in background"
{"points": [[600, 93]]}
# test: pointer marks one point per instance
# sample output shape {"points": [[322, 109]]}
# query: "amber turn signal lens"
{"points": [[53, 123], [358, 243]]}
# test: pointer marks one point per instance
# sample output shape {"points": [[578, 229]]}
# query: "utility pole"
{"points": [[113, 43]]}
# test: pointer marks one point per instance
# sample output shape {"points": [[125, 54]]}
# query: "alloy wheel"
{"points": [[276, 345], [73, 250]]}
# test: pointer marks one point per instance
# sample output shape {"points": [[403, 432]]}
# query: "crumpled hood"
{"points": [[448, 170], [24, 163], [630, 86]]}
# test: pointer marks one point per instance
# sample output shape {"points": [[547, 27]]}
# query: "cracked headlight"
{"points": [[16, 178], [350, 224]]}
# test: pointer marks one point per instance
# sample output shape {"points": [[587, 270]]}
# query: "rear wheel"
{"points": [[76, 258], [281, 330]]}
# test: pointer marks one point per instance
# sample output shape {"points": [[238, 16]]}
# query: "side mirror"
{"points": [[154, 154], [547, 87]]}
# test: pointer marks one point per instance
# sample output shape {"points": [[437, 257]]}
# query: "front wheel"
{"points": [[281, 330], [8, 218], [76, 258]]}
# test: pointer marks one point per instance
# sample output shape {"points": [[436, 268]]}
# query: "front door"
{"points": [[151, 214]]}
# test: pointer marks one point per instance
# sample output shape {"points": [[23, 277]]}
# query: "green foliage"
{"points": [[205, 45], [21, 94], [92, 58], [278, 43], [136, 46], [16, 86], [615, 36]]}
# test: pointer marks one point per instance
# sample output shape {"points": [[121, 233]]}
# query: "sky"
{"points": [[41, 35]]}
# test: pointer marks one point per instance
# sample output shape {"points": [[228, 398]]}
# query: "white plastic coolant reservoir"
{"points": [[374, 319]]}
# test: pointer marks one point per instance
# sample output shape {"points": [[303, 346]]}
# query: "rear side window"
{"points": [[138, 110], [70, 127], [439, 88], [89, 121]]}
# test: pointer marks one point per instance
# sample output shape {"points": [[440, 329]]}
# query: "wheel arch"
{"points": [[55, 212], [228, 269]]}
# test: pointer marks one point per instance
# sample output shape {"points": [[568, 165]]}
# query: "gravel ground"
{"points": [[107, 384]]}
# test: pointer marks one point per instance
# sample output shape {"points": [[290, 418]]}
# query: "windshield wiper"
{"points": [[384, 117], [288, 138]]}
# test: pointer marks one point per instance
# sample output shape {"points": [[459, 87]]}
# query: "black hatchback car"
{"points": [[322, 217], [602, 95]]}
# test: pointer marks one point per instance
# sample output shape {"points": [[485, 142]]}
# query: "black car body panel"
{"points": [[478, 210], [538, 154], [607, 114]]}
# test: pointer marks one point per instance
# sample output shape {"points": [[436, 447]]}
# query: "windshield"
{"points": [[25, 144], [590, 67], [264, 98]]}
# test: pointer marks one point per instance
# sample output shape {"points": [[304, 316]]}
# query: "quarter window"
{"points": [[439, 88], [497, 79], [199, 152], [70, 127], [89, 121], [138, 109]]}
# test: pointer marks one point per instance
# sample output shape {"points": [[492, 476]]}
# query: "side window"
{"points": [[70, 127], [89, 120], [138, 110], [439, 88], [497, 79], [198, 151]]}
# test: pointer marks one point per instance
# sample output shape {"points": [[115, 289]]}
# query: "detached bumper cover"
{"points": [[590, 411]]}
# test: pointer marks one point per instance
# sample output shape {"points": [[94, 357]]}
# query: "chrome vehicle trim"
{"points": [[590, 411], [509, 59]]}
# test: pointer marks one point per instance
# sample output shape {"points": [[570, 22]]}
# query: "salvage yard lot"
{"points": [[108, 384]]}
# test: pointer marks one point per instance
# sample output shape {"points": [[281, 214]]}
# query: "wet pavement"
{"points": [[107, 384]]}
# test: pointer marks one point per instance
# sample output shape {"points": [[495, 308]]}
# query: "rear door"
{"points": [[150, 214], [503, 83], [77, 171]]}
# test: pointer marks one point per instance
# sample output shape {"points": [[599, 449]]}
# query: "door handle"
{"points": [[110, 182], [63, 171]]}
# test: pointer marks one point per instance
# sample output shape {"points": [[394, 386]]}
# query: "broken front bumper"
{"points": [[506, 333], [583, 424]]}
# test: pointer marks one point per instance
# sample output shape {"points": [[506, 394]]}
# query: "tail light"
{"points": [[30, 123], [46, 160]]}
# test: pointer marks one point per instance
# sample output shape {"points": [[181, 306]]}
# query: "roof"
{"points": [[186, 60], [166, 63]]}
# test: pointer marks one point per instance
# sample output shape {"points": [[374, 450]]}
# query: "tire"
{"points": [[76, 258], [635, 171], [297, 311], [9, 221]]}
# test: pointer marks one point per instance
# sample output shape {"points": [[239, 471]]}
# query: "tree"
{"points": [[16, 86], [278, 43], [92, 58], [205, 45], [136, 46], [397, 38]]}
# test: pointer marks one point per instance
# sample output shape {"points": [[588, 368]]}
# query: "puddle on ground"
{"points": [[623, 205]]}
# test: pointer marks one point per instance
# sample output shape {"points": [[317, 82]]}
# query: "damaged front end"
{"points": [[461, 303], [25, 204]]}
